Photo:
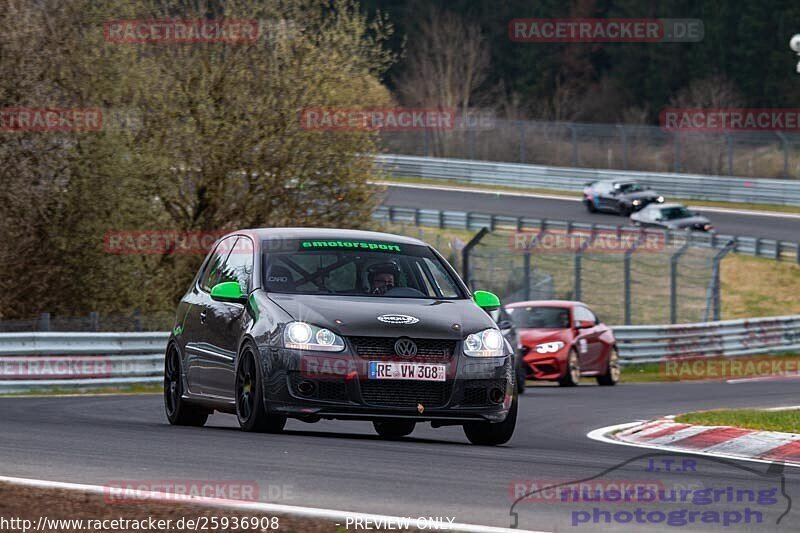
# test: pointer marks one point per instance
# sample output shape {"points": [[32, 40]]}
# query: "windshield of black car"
{"points": [[356, 268], [539, 317], [630, 187], [673, 213]]}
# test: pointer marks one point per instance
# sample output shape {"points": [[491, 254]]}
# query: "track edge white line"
{"points": [[292, 510]]}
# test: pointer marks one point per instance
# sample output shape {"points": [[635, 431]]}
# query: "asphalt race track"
{"points": [[434, 472], [765, 226]]}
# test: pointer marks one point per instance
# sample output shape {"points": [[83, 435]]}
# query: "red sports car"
{"points": [[562, 341]]}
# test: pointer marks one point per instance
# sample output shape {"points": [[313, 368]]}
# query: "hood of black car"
{"points": [[358, 315], [642, 195]]}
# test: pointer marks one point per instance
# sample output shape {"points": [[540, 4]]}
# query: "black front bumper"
{"points": [[475, 390]]}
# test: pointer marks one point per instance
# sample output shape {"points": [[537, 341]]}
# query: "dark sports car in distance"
{"points": [[671, 216], [563, 341], [621, 197], [318, 324]]}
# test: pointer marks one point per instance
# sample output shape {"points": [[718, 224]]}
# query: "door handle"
{"points": [[203, 317]]}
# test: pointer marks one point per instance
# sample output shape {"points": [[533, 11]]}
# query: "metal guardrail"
{"points": [[688, 186], [726, 338], [769, 248], [39, 361], [45, 360]]}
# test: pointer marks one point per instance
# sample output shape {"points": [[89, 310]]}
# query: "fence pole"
{"points": [[44, 322], [729, 139], [785, 144], [526, 274], [471, 137], [465, 274], [521, 125], [94, 321], [579, 260], [715, 284], [574, 132], [624, 135], [627, 282], [673, 282]]}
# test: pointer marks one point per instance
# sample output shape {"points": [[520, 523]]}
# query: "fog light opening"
{"points": [[306, 388], [496, 395]]}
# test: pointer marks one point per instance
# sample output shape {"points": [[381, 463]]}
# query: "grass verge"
{"points": [[64, 391], [713, 369], [784, 421]]}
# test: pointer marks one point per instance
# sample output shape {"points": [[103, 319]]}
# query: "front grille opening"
{"points": [[402, 393], [383, 347]]}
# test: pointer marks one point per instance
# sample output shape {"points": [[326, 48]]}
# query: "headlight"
{"points": [[637, 202], [302, 336], [660, 199], [486, 343], [549, 347]]}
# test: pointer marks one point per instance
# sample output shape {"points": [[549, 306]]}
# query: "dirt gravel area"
{"points": [[24, 508]]}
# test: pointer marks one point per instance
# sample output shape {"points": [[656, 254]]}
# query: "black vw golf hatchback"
{"points": [[338, 324]]}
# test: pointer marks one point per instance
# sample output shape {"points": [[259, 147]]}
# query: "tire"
{"points": [[520, 377], [493, 433], [250, 409], [179, 412], [611, 377], [590, 206], [572, 377], [393, 429], [626, 211]]}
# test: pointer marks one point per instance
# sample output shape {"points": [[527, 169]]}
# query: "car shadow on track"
{"points": [[340, 435]]}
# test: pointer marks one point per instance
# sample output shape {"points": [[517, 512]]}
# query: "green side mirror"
{"points": [[228, 291], [486, 300]]}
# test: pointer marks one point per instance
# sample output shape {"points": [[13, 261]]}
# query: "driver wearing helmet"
{"points": [[382, 277]]}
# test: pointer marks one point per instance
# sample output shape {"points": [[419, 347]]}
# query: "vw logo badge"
{"points": [[405, 347], [398, 319]]}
